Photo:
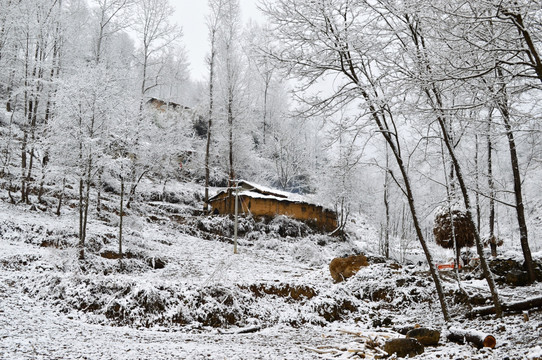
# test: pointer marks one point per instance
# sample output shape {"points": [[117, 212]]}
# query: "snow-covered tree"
{"points": [[89, 101]]}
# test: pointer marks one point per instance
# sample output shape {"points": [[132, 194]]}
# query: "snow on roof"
{"points": [[276, 192], [263, 192], [257, 195]]}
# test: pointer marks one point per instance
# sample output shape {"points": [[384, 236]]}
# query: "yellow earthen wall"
{"points": [[313, 214]]}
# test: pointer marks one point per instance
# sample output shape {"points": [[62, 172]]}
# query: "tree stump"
{"points": [[403, 347], [426, 337]]}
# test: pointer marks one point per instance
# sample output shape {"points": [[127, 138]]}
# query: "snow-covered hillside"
{"points": [[182, 293]]}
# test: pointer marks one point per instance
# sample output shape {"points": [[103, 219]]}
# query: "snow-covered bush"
{"points": [[288, 227], [309, 253]]}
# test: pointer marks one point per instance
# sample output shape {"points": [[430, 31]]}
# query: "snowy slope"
{"points": [[54, 306]]}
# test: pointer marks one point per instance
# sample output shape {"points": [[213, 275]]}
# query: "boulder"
{"points": [[345, 267], [403, 347], [517, 277], [426, 337], [156, 263]]}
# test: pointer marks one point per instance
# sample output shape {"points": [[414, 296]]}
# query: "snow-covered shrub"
{"points": [[18, 261], [270, 243], [383, 284], [254, 236], [308, 252], [220, 225], [288, 227], [224, 225], [219, 307], [38, 234]]}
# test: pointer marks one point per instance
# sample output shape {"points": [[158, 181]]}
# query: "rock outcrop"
{"points": [[345, 267]]}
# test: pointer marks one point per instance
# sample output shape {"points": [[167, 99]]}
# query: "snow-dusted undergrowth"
{"points": [[279, 282]]}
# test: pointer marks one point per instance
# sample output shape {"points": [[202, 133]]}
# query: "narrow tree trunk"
{"points": [[210, 121], [37, 75], [477, 180], [434, 97], [387, 208], [230, 122], [450, 198], [42, 184], [81, 215], [7, 149], [121, 215], [486, 271], [419, 233], [502, 103], [133, 189], [395, 149], [10, 194], [27, 110], [520, 208], [24, 197], [380, 114], [266, 90], [99, 192], [60, 197], [492, 238], [87, 196]]}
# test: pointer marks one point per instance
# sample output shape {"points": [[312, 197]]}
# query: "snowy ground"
{"points": [[41, 287], [31, 330]]}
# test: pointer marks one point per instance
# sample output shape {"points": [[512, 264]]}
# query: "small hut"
{"points": [[263, 202]]}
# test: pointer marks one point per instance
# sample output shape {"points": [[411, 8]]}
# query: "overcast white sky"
{"points": [[190, 14]]}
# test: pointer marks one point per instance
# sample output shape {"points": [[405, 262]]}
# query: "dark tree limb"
{"points": [[476, 338], [513, 307]]}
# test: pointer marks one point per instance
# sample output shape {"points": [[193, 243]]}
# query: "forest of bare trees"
{"points": [[432, 77], [395, 109]]}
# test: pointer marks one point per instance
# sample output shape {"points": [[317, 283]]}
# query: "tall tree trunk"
{"points": [[87, 198], [265, 95], [7, 149], [477, 183], [60, 197], [99, 192], [133, 188], [33, 105], [42, 182], [24, 196], [144, 80], [387, 207], [81, 215], [491, 185], [486, 271], [121, 215], [450, 198], [434, 97], [419, 233], [393, 141], [210, 120], [230, 142], [502, 104]]}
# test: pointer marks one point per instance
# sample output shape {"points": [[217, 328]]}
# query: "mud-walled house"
{"points": [[163, 106], [262, 202]]}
